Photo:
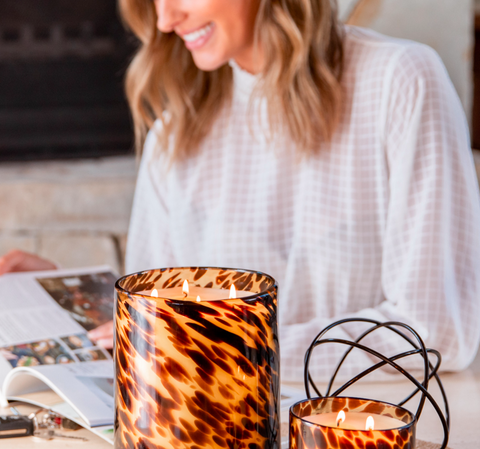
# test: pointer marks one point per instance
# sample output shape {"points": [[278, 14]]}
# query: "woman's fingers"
{"points": [[103, 335], [17, 260], [102, 331], [10, 260], [106, 343]]}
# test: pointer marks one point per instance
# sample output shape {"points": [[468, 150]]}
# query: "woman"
{"points": [[333, 158]]}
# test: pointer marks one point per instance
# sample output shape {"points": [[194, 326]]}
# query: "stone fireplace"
{"points": [[61, 72]]}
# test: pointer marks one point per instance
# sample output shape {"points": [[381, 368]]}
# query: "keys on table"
{"points": [[47, 424], [43, 424], [49, 434]]}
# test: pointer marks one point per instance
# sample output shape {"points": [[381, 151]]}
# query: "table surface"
{"points": [[463, 391]]}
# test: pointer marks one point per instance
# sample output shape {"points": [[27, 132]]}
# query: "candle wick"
{"points": [[339, 421]]}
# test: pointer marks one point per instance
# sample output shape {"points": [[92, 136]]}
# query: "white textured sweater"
{"points": [[384, 222]]}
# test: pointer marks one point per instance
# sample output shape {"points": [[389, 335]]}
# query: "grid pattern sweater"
{"points": [[383, 223]]}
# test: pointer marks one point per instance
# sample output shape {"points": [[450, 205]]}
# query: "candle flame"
{"points": [[198, 299], [154, 293], [185, 288], [240, 371], [340, 417], [233, 292], [370, 423]]}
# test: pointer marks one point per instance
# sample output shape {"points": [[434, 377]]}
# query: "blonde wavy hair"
{"points": [[303, 44]]}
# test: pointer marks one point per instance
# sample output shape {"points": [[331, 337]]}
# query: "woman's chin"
{"points": [[208, 63]]}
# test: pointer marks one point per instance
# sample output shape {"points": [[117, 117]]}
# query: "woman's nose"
{"points": [[169, 14]]}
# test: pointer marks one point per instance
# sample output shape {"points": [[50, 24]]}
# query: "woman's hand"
{"points": [[103, 335], [17, 260]]}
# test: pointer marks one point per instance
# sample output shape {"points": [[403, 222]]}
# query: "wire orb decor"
{"points": [[430, 370]]}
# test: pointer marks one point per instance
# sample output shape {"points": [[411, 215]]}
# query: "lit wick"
{"points": [[370, 423], [340, 418], [154, 293], [185, 288], [198, 299], [233, 292]]}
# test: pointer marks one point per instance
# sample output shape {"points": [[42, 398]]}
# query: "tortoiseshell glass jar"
{"points": [[196, 374], [307, 434]]}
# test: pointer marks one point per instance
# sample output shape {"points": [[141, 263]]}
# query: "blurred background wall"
{"points": [[445, 25], [76, 211]]}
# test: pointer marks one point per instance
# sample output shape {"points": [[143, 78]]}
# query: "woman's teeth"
{"points": [[191, 37]]}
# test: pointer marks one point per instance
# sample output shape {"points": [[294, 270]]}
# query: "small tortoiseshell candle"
{"points": [[194, 373], [314, 425]]}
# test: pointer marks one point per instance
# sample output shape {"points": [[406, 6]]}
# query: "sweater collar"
{"points": [[244, 81]]}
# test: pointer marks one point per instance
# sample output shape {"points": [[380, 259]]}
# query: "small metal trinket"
{"points": [[47, 425], [44, 424]]}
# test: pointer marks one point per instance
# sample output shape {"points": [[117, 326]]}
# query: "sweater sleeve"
{"points": [[148, 244], [432, 243], [431, 246]]}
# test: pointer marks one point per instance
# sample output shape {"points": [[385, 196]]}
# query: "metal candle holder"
{"points": [[307, 435]]}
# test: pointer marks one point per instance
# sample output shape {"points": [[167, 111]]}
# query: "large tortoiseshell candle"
{"points": [[196, 371], [350, 423]]}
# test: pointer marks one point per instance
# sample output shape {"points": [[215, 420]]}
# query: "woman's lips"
{"points": [[198, 38]]}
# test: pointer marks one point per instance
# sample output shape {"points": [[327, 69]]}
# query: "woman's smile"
{"points": [[214, 31], [199, 37]]}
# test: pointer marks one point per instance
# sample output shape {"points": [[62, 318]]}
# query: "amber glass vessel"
{"points": [[305, 434], [196, 374]]}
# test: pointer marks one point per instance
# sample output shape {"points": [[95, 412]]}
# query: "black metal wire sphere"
{"points": [[429, 370]]}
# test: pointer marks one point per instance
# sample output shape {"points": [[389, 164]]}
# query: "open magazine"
{"points": [[44, 320]]}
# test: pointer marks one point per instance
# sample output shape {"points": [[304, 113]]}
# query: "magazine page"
{"points": [[45, 304], [87, 387], [45, 316]]}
